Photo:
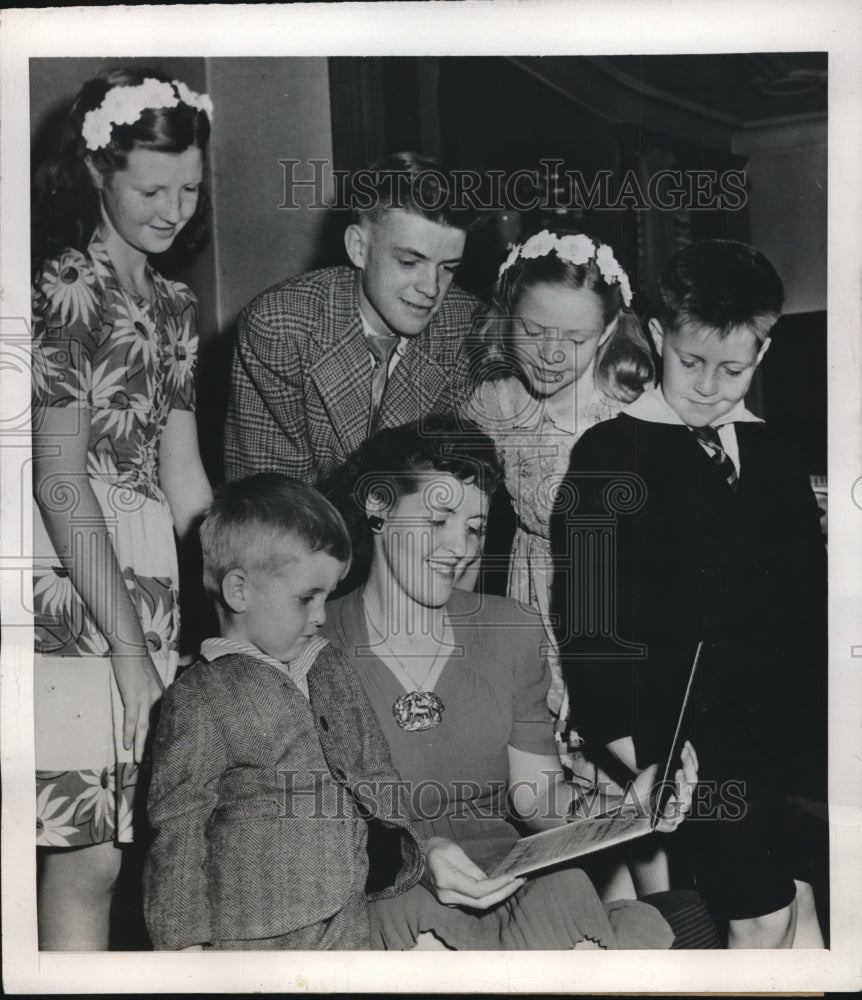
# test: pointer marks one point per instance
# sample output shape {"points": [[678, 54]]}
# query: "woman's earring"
{"points": [[376, 524]]}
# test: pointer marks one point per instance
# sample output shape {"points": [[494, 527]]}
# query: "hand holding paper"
{"points": [[675, 807]]}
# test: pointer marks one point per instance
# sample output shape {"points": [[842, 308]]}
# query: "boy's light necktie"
{"points": [[381, 348], [709, 437]]}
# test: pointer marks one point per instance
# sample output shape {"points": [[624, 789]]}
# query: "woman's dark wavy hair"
{"points": [[388, 466], [66, 206], [624, 363]]}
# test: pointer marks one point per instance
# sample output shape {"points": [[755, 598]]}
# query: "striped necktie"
{"points": [[381, 348], [708, 436]]}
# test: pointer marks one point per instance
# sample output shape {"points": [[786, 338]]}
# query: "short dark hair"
{"points": [[253, 521], [721, 285], [388, 466], [413, 183]]}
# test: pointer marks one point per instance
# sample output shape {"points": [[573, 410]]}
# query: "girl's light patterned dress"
{"points": [[533, 442], [100, 350]]}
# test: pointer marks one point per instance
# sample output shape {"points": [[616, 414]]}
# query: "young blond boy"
{"points": [[268, 763]]}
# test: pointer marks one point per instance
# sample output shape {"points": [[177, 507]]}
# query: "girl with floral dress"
{"points": [[116, 469], [560, 351]]}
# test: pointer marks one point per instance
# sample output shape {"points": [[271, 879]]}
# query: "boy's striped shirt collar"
{"points": [[296, 670]]}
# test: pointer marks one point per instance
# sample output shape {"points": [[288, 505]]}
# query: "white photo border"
{"points": [[579, 27]]}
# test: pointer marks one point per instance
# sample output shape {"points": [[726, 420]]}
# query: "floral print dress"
{"points": [[100, 349]]}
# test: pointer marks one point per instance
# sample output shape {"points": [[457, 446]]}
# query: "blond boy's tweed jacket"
{"points": [[261, 801], [301, 378]]}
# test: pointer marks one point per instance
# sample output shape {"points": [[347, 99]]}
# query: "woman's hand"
{"points": [[679, 804], [457, 881], [140, 688]]}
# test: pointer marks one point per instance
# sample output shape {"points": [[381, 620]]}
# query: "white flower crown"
{"points": [[124, 106], [576, 250]]}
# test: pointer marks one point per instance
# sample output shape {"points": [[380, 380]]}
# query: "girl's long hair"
{"points": [[66, 206], [624, 363]]}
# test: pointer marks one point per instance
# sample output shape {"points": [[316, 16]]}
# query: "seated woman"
{"points": [[459, 687]]}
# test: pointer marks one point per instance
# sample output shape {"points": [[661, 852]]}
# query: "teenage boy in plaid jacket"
{"points": [[307, 387]]}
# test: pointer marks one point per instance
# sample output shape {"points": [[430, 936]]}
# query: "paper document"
{"points": [[571, 841], [583, 836]]}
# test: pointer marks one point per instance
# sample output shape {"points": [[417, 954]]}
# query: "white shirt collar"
{"points": [[652, 407], [369, 331]]}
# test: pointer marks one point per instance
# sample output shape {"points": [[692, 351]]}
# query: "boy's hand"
{"points": [[679, 804], [457, 881]]}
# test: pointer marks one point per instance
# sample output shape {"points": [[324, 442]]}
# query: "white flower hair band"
{"points": [[576, 250], [125, 105]]}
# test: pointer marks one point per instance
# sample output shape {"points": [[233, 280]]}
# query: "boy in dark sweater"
{"points": [[269, 763], [706, 528]]}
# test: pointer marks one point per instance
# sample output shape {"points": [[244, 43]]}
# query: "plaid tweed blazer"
{"points": [[301, 377], [257, 802]]}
